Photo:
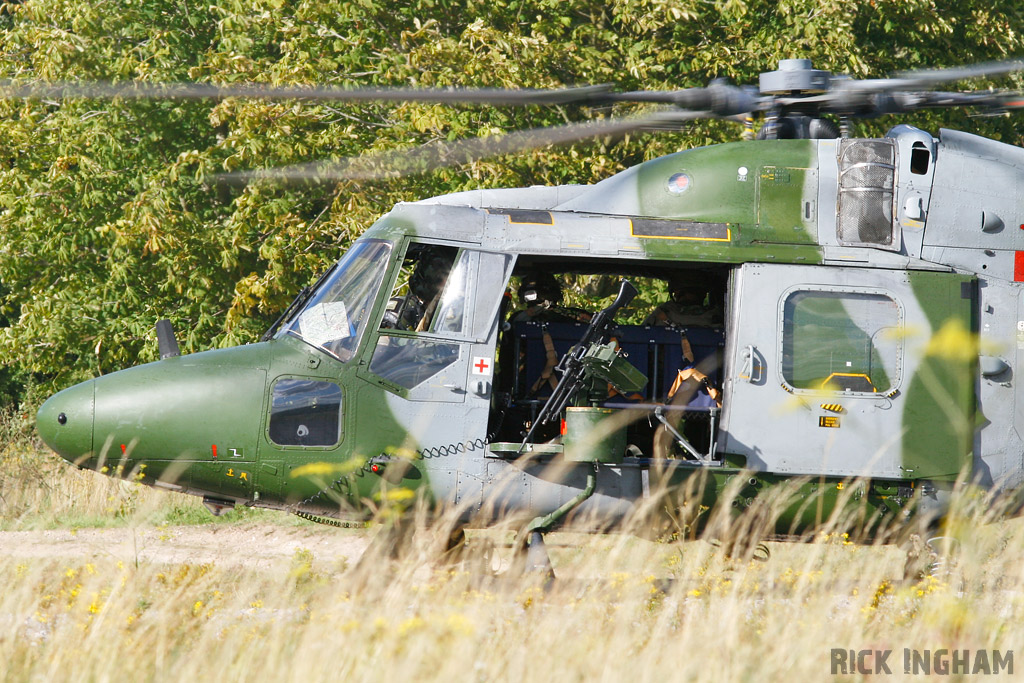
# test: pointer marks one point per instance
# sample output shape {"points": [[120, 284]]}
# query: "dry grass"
{"points": [[608, 616], [38, 490], [622, 608]]}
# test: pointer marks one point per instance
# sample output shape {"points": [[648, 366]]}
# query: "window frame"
{"points": [[372, 315], [471, 325], [895, 382], [270, 414]]}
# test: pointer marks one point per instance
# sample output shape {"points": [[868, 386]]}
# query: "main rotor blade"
{"points": [[908, 91], [199, 91], [428, 157], [865, 103], [999, 100], [924, 80], [907, 80], [721, 99]]}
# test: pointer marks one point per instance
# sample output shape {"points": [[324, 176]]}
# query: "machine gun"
{"points": [[577, 365]]}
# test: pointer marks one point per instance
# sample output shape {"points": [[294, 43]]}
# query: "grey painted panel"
{"points": [[788, 430], [858, 257], [914, 174], [444, 222], [828, 191], [975, 179], [1001, 451], [537, 197], [618, 194], [990, 263]]}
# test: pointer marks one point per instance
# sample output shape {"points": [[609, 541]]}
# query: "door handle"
{"points": [[752, 370]]}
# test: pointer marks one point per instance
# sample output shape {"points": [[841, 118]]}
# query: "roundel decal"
{"points": [[679, 183]]}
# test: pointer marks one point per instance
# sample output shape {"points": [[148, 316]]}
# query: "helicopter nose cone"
{"points": [[65, 421]]}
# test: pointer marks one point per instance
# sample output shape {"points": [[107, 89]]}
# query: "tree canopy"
{"points": [[110, 218]]}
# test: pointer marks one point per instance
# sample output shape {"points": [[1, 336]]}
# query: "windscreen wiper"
{"points": [[297, 303]]}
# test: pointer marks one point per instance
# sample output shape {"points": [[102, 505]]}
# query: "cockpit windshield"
{"points": [[335, 315]]}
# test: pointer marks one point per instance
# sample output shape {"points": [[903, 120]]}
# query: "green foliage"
{"points": [[109, 215]]}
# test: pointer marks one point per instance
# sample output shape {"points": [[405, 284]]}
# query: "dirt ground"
{"points": [[252, 545]]}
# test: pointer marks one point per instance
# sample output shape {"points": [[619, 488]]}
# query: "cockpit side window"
{"points": [[410, 361], [433, 291], [422, 285], [447, 294], [450, 316], [493, 273]]}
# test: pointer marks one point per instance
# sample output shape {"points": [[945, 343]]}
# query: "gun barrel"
{"points": [[627, 292], [571, 365]]}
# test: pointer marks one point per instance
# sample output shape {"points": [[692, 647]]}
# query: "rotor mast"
{"points": [[796, 79]]}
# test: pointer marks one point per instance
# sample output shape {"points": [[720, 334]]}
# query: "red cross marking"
{"points": [[481, 365]]}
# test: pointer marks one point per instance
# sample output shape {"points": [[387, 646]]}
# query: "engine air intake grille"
{"points": [[866, 172]]}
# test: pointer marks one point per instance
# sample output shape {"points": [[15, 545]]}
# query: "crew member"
{"points": [[415, 309], [541, 298], [690, 305], [540, 294]]}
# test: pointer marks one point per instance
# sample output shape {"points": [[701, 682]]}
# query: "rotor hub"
{"points": [[795, 76]]}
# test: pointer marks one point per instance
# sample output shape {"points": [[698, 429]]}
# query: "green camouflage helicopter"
{"points": [[843, 309]]}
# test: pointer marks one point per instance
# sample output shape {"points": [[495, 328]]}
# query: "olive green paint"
{"points": [[758, 187], [939, 401], [192, 420], [735, 251], [797, 505], [786, 208]]}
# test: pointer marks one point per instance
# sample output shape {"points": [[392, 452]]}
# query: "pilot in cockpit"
{"points": [[414, 309]]}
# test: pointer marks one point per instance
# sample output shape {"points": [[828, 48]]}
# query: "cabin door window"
{"points": [[841, 341], [850, 372]]}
